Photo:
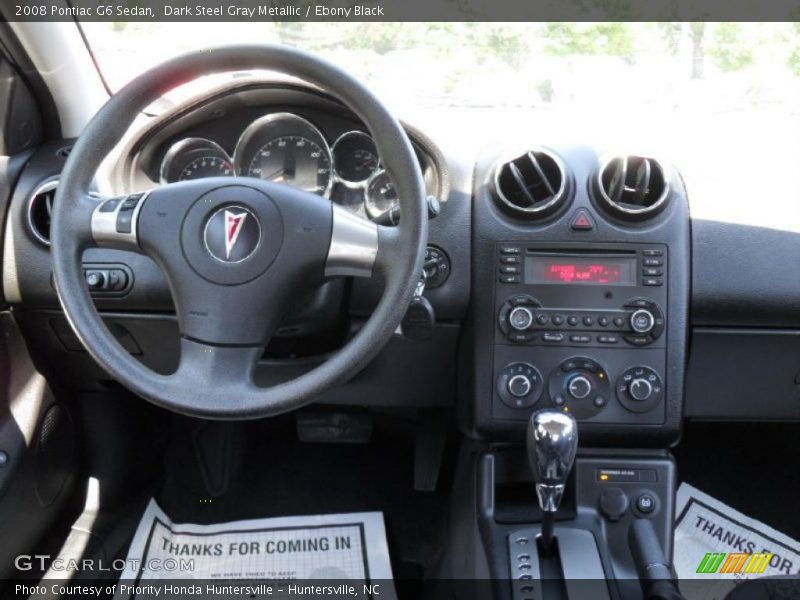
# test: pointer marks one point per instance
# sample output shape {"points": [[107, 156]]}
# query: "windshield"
{"points": [[708, 95]]}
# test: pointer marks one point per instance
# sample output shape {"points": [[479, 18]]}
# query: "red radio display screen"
{"points": [[580, 270]]}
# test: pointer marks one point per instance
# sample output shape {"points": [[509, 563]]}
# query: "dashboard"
{"points": [[560, 275], [332, 155]]}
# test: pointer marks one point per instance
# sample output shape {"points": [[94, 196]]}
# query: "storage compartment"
{"points": [[744, 374]]}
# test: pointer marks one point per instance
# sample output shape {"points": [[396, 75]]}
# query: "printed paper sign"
{"points": [[335, 548], [723, 547]]}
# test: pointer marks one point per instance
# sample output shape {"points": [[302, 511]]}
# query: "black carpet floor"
{"points": [[752, 467], [279, 476]]}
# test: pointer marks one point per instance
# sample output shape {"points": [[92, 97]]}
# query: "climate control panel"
{"points": [[583, 387]]}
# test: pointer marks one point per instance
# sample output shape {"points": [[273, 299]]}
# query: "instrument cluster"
{"points": [[286, 148]]}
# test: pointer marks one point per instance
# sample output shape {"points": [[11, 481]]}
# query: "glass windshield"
{"points": [[720, 99]]}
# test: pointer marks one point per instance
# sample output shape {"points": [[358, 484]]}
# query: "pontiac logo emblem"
{"points": [[232, 234]]}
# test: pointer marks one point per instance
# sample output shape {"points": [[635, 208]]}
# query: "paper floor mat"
{"points": [[335, 548], [723, 547]]}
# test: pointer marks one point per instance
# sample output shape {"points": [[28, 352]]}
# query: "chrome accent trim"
{"points": [[558, 196], [354, 245], [524, 567], [584, 576], [42, 188], [179, 146], [346, 182], [552, 443], [104, 226], [634, 212], [252, 129], [651, 321]]}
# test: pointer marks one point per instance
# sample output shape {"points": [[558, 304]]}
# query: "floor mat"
{"points": [[282, 551], [723, 547]]}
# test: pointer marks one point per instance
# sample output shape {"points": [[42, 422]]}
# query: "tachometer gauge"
{"points": [[380, 195], [285, 148], [355, 158], [195, 158]]}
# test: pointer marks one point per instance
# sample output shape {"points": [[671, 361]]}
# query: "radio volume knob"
{"points": [[640, 389], [519, 386], [642, 321], [520, 318]]}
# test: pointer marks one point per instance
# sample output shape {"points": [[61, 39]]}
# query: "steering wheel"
{"points": [[236, 253]]}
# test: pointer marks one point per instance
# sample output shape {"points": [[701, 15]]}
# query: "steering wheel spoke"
{"points": [[115, 221], [207, 366]]}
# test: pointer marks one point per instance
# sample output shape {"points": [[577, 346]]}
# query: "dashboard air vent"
{"points": [[632, 187], [532, 185], [40, 208]]}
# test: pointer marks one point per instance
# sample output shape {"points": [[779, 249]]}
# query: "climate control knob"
{"points": [[642, 321], [640, 389], [579, 387], [519, 386], [520, 318]]}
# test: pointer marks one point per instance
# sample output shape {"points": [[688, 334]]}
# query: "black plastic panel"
{"points": [[745, 276], [744, 374]]}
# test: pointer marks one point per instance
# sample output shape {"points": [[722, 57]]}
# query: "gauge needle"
{"points": [[276, 176]]}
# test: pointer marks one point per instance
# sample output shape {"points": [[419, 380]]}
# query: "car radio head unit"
{"points": [[566, 268]]}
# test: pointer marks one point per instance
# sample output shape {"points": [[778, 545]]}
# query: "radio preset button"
{"points": [[619, 322], [558, 320], [602, 321], [572, 320]]}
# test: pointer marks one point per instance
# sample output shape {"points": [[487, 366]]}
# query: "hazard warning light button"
{"points": [[581, 221]]}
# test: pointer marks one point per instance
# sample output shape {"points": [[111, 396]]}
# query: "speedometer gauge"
{"points": [[293, 160], [195, 158], [285, 148], [355, 157]]}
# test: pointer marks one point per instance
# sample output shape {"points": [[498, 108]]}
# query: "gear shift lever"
{"points": [[552, 443]]}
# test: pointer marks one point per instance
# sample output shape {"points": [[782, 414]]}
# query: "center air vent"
{"points": [[632, 187], [40, 209], [532, 185]]}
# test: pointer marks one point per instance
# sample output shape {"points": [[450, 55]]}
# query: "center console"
{"points": [[580, 279]]}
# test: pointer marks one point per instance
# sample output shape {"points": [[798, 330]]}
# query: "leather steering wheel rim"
{"points": [[214, 379]]}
